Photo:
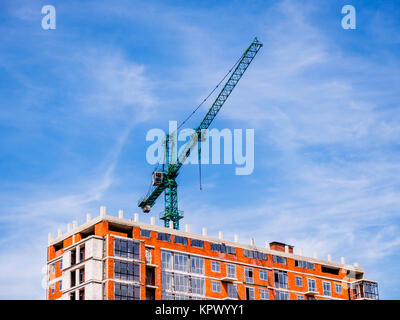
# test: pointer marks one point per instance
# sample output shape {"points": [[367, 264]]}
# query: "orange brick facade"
{"points": [[102, 234]]}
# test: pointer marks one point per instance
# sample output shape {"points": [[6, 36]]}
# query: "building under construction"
{"points": [[113, 258]]}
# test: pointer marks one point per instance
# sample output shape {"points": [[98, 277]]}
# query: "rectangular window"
{"points": [[215, 266], [279, 259], [299, 281], [248, 275], [249, 293], [181, 262], [124, 291], [180, 240], [168, 296], [163, 236], [231, 271], [264, 294], [61, 264], [327, 288], [197, 243], [126, 270], [81, 275], [53, 268], [166, 281], [232, 290], [126, 248], [196, 265], [145, 233], [166, 260], [52, 288], [281, 279], [216, 286], [197, 285], [300, 297], [281, 295], [338, 288], [181, 282], [222, 248], [255, 254], [304, 264], [264, 275], [311, 285], [60, 285]]}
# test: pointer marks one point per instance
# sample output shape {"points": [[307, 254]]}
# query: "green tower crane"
{"points": [[165, 180]]}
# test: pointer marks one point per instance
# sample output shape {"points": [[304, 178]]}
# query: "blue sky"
{"points": [[76, 104]]}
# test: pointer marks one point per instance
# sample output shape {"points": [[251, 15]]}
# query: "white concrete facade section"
{"points": [[93, 270], [94, 291], [67, 259], [94, 248], [66, 280]]}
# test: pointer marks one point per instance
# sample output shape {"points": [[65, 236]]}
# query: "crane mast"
{"points": [[166, 179]]}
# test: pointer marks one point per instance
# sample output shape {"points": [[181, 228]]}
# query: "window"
{"points": [[264, 294], [215, 266], [311, 285], [197, 243], [255, 254], [163, 236], [81, 253], [61, 264], [197, 285], [166, 260], [181, 297], [73, 278], [222, 248], [264, 275], [248, 275], [327, 288], [60, 285], [126, 248], [180, 240], [73, 257], [82, 294], [166, 281], [232, 291], [231, 271], [181, 262], [197, 265], [126, 270], [300, 297], [279, 259], [281, 280], [52, 288], [281, 295], [304, 264], [168, 296], [216, 286], [145, 233], [299, 281], [338, 288], [53, 268], [181, 282], [249, 293], [124, 291], [81, 275]]}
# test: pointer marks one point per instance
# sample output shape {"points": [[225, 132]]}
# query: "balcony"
{"points": [[365, 290], [229, 279], [311, 293]]}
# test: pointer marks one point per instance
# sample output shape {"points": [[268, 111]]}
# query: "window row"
{"points": [[123, 291], [126, 248], [181, 262], [126, 270], [182, 283]]}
